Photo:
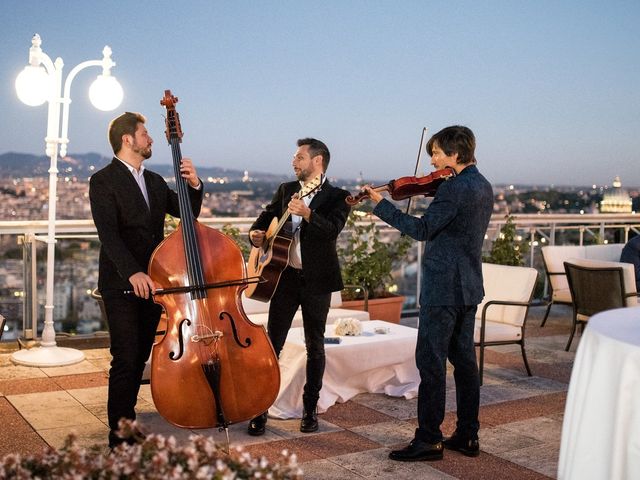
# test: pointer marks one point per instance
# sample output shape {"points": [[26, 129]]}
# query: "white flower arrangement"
{"points": [[348, 326], [152, 458]]}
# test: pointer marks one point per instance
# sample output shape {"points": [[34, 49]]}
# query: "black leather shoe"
{"points": [[309, 422], [257, 424], [137, 436], [418, 451], [468, 447]]}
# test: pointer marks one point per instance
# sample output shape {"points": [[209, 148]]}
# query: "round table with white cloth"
{"points": [[601, 427]]}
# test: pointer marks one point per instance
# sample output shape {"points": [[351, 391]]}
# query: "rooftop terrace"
{"points": [[520, 416]]}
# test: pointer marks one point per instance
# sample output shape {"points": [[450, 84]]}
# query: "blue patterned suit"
{"points": [[453, 228]]}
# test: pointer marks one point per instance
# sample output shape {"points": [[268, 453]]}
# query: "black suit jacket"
{"points": [[129, 231], [329, 213]]}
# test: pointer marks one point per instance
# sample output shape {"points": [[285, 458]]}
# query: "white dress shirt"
{"points": [[295, 256], [139, 177]]}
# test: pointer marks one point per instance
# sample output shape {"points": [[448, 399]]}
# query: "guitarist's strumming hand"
{"points": [[256, 237], [298, 207]]}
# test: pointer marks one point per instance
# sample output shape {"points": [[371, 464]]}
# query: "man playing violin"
{"points": [[129, 204], [453, 228], [313, 270]]}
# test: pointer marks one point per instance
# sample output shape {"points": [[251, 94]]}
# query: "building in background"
{"points": [[617, 200]]}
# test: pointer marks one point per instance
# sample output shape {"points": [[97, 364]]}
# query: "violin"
{"points": [[407, 187], [213, 367]]}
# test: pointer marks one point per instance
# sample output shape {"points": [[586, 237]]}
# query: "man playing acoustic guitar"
{"points": [[312, 270]]}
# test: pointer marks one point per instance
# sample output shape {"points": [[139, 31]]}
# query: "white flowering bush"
{"points": [[155, 457], [348, 326]]}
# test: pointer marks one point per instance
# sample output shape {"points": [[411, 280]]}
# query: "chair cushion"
{"points": [[333, 315], [336, 299], [554, 258], [497, 332], [251, 305], [506, 283], [609, 252], [255, 306], [562, 295]]}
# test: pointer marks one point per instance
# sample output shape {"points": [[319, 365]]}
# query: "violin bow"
{"points": [[415, 172]]}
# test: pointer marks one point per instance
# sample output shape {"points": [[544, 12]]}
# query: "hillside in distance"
{"points": [[20, 165]]}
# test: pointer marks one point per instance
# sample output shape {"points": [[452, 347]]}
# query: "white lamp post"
{"points": [[39, 82]]}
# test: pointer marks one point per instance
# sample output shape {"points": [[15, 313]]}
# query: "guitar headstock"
{"points": [[174, 130], [311, 187]]}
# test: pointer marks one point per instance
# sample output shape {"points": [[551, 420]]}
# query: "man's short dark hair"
{"points": [[316, 147], [125, 124], [455, 139]]}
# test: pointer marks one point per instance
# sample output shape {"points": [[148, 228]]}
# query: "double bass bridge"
{"points": [[213, 336]]}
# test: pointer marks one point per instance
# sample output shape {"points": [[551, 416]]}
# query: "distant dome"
{"points": [[616, 200]]}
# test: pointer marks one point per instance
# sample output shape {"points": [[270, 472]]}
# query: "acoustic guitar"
{"points": [[269, 260]]}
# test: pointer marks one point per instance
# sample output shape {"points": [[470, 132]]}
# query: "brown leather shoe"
{"points": [[257, 425], [418, 451], [466, 446]]}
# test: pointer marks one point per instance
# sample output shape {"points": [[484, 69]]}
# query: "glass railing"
{"points": [[77, 310]]}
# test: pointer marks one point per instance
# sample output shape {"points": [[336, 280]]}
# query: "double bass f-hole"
{"points": [[172, 355], [235, 331]]}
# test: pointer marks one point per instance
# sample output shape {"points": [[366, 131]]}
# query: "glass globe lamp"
{"points": [[106, 93], [33, 85]]}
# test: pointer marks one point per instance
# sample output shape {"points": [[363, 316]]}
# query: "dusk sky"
{"points": [[550, 88]]}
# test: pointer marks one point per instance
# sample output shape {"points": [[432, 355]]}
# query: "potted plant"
{"points": [[510, 249], [507, 249], [366, 263]]}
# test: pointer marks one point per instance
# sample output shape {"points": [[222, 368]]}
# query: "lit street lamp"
{"points": [[40, 82]]}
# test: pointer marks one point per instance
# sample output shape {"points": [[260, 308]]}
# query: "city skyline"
{"points": [[549, 88], [68, 168]]}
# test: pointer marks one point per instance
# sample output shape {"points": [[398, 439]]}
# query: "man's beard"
{"points": [[303, 175], [144, 152]]}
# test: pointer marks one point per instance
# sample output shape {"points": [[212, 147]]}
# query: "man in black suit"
{"points": [[313, 271], [631, 254], [453, 228], [128, 204]]}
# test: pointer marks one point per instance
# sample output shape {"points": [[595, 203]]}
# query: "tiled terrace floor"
{"points": [[521, 416]]}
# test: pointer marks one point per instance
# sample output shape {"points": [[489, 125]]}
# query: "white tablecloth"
{"points": [[371, 362], [601, 429]]}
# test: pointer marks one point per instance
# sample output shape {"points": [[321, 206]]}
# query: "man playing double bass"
{"points": [[313, 271], [128, 204]]}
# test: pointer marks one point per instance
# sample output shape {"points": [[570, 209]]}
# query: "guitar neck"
{"points": [[301, 194], [281, 222]]}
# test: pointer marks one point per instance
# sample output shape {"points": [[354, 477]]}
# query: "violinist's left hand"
{"points": [[373, 195], [298, 207]]}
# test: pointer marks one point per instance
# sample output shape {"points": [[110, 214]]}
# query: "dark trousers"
{"points": [[132, 326], [291, 294], [447, 332]]}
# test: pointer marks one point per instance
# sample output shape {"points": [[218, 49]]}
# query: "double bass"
{"points": [[213, 367]]}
